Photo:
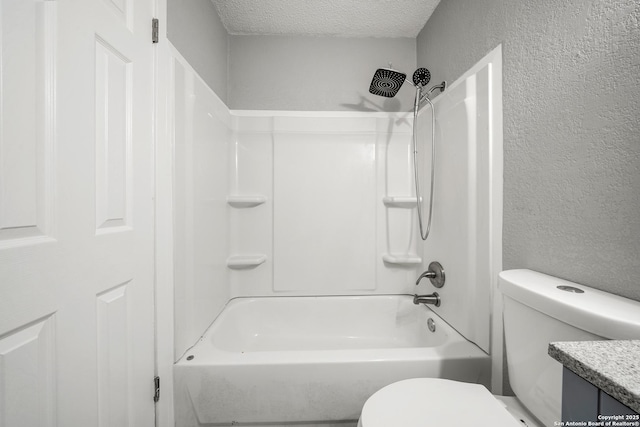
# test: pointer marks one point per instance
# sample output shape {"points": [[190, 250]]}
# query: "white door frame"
{"points": [[164, 317]]}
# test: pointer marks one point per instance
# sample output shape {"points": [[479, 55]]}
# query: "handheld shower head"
{"points": [[421, 77], [387, 82]]}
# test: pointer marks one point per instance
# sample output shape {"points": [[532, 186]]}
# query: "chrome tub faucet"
{"points": [[433, 298]]}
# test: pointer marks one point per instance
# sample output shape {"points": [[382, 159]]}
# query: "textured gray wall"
{"points": [[315, 73], [195, 29], [571, 128]]}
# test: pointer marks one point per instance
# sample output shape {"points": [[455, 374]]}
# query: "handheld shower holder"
{"points": [[427, 94], [442, 86]]}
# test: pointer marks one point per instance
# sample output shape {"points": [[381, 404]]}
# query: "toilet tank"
{"points": [[536, 312]]}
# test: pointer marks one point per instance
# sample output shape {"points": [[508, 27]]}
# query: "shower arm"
{"points": [[442, 86]]}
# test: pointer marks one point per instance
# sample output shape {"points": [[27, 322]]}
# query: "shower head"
{"points": [[387, 82], [421, 77]]}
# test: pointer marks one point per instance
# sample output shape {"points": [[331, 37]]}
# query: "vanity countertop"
{"points": [[612, 366]]}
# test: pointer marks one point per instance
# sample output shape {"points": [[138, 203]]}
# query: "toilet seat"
{"points": [[424, 402]]}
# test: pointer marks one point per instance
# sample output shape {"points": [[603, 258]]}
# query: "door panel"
{"points": [[113, 139], [26, 137], [27, 375], [76, 213]]}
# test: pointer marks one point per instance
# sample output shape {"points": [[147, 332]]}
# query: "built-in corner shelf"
{"points": [[406, 202], [241, 262], [245, 201], [402, 259]]}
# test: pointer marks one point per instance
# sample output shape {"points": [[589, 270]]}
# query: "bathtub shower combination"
{"points": [[313, 307], [316, 358]]}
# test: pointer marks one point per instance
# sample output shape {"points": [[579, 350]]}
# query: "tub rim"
{"points": [[205, 353]]}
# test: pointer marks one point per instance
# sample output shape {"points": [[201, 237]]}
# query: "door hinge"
{"points": [[155, 30], [156, 384]]}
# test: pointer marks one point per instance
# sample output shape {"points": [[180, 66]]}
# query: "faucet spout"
{"points": [[433, 298]]}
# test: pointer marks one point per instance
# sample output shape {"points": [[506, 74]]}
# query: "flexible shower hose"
{"points": [[423, 233]]}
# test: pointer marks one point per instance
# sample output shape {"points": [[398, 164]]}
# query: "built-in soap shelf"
{"points": [[241, 202], [241, 262], [406, 202], [402, 259]]}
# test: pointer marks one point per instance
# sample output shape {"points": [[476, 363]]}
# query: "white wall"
{"points": [[201, 180]]}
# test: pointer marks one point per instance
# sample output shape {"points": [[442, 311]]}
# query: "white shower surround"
{"points": [[241, 192], [260, 154], [323, 227]]}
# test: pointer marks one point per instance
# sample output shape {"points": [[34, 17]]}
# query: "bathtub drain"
{"points": [[431, 324]]}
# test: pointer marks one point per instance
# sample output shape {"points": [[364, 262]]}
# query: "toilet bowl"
{"points": [[421, 402], [538, 309]]}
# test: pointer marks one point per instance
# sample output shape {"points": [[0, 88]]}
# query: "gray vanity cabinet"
{"points": [[582, 401]]}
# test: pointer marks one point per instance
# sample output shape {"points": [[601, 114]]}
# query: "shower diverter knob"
{"points": [[435, 273]]}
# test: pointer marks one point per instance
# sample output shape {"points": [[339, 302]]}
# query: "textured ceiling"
{"points": [[341, 18]]}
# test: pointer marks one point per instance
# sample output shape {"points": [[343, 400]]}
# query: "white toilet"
{"points": [[538, 309]]}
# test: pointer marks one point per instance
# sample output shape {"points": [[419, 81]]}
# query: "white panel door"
{"points": [[76, 213]]}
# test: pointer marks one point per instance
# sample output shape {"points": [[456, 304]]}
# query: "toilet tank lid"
{"points": [[601, 313]]}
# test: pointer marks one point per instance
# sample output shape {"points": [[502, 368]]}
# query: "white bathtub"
{"points": [[314, 359]]}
